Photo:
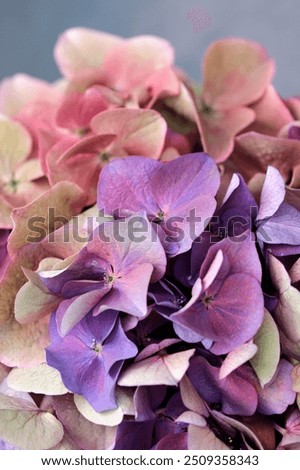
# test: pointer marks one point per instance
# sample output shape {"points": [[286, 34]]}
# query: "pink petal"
{"points": [[271, 113], [81, 49], [139, 132], [163, 83], [77, 109], [218, 130], [254, 152], [78, 162], [236, 73], [19, 90], [130, 63]]}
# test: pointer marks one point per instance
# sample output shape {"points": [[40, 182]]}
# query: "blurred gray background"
{"points": [[29, 28]]}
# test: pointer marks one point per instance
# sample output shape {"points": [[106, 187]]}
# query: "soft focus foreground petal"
{"points": [[5, 214], [138, 131], [86, 435], [30, 170], [19, 90], [236, 72], [80, 49]]}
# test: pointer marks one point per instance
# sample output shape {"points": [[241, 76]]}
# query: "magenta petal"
{"points": [[230, 392], [129, 293]]}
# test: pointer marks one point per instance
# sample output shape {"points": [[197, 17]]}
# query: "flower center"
{"points": [[159, 217], [207, 300], [105, 157], [97, 347], [81, 131], [206, 109], [12, 186], [109, 278]]}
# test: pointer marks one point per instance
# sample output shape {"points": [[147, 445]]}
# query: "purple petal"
{"points": [[124, 186], [71, 311], [282, 228], [237, 395], [272, 194], [277, 395]]}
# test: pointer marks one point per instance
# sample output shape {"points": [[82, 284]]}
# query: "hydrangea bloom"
{"points": [[149, 248]]}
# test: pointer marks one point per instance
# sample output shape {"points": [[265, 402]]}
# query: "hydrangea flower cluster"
{"points": [[149, 246]]}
